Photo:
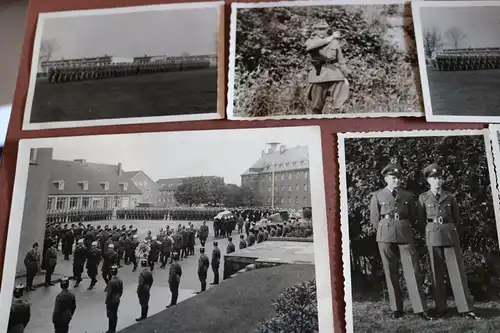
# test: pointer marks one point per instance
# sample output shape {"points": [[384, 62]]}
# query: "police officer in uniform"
{"points": [[64, 308], [203, 264], [174, 279], [215, 263], [20, 312], [143, 289], [392, 211], [439, 209], [113, 295], [32, 262]]}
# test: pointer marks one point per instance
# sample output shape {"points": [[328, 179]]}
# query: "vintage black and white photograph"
{"points": [[230, 237], [331, 59], [459, 55], [126, 65], [419, 216]]}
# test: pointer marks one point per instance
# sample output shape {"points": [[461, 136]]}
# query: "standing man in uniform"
{"points": [[392, 211], [203, 264], [216, 263], [50, 265], [32, 264], [20, 312], [439, 209], [64, 308], [203, 234], [174, 279], [113, 295], [79, 261], [326, 78], [93, 259], [143, 289]]}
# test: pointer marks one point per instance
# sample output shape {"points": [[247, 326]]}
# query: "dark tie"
{"points": [[394, 193], [437, 196]]}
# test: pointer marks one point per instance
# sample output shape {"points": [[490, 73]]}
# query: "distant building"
{"points": [[169, 186], [290, 168], [104, 60]]}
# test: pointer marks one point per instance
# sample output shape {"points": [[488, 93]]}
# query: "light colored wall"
{"points": [[144, 183]]}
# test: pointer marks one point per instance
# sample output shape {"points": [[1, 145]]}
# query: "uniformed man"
{"points": [[154, 252], [79, 261], [327, 77], [64, 308], [203, 264], [215, 262], [110, 258], [20, 312], [143, 289], [392, 211], [32, 264], [230, 248], [243, 243], [113, 295], [50, 265], [203, 233], [174, 279], [439, 210]]}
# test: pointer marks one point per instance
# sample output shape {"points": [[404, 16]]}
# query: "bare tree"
{"points": [[455, 35], [432, 41], [47, 49]]}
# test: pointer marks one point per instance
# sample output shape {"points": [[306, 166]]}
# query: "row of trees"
{"points": [[214, 191], [435, 39]]}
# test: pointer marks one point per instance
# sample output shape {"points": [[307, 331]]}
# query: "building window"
{"points": [[107, 202], [269, 177], [85, 203], [124, 186], [305, 187], [277, 177], [296, 200], [282, 188], [118, 201], [281, 165], [269, 200], [50, 203], [282, 200], [283, 176], [33, 156], [73, 203], [289, 188], [288, 165], [61, 203], [60, 185], [298, 175], [302, 162], [269, 189], [85, 185], [289, 200], [305, 200], [297, 187], [290, 175], [105, 185], [306, 174]]}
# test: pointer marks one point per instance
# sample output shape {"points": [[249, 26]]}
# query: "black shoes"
{"points": [[397, 314]]}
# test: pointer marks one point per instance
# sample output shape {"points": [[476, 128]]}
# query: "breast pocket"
{"points": [[386, 208], [446, 210], [431, 209]]}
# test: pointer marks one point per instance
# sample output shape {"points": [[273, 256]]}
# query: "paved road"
{"points": [[90, 316]]}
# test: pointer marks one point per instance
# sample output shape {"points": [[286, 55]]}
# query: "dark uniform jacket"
{"points": [[393, 217], [230, 248], [204, 232], [64, 308], [251, 239], [93, 258], [80, 255], [154, 250], [175, 273], [51, 258], [216, 257], [110, 258], [203, 264], [166, 244], [20, 315], [32, 259], [441, 217], [243, 244], [144, 286], [115, 291], [260, 237]]}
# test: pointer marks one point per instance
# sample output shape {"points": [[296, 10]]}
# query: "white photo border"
{"points": [[304, 3], [42, 17], [344, 211], [426, 91], [311, 136]]}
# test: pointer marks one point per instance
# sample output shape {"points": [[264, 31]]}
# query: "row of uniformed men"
{"points": [[467, 61], [179, 214], [79, 215], [393, 211], [97, 72]]}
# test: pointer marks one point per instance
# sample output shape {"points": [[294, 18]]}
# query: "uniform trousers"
{"points": [[391, 254], [30, 276], [112, 313], [174, 289], [202, 276], [216, 274], [451, 258], [61, 327], [337, 90]]}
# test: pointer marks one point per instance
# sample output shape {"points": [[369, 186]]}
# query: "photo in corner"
{"points": [[95, 67], [343, 59], [419, 229], [85, 209]]}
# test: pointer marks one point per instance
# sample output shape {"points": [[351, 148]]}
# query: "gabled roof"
{"points": [[286, 159], [130, 174], [171, 184], [73, 173]]}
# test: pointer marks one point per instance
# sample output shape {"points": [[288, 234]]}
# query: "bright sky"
{"points": [[481, 25], [224, 153], [169, 32]]}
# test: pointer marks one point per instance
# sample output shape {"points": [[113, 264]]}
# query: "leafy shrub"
{"points": [[296, 310], [272, 65], [300, 230]]}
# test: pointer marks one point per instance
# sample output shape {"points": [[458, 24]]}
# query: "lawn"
{"points": [[238, 305], [465, 93], [373, 317], [160, 94]]}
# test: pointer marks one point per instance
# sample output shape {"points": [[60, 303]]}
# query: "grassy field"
{"points": [[465, 93], [150, 95], [373, 317], [237, 305]]}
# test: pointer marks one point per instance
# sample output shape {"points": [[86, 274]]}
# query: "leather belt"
{"points": [[439, 220], [394, 216]]}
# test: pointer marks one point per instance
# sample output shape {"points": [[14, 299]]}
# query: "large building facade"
{"points": [[281, 177]]}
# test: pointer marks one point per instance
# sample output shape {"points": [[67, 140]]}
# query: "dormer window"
{"points": [[60, 184], [124, 186], [105, 185], [84, 184]]}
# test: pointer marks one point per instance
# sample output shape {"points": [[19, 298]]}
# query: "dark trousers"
{"points": [[151, 264], [133, 260], [30, 276], [61, 327], [48, 275], [216, 274], [106, 275], [112, 313], [203, 241], [202, 276], [77, 272], [164, 258], [240, 229], [174, 289], [144, 302]]}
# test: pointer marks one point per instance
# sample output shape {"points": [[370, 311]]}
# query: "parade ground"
{"points": [[90, 316], [464, 93], [148, 95]]}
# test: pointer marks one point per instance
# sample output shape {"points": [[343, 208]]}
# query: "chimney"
{"points": [[81, 161], [282, 149], [120, 169], [272, 147]]}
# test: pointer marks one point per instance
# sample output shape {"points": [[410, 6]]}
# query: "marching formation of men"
{"points": [[393, 211], [79, 215], [467, 60], [174, 213], [98, 71]]}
